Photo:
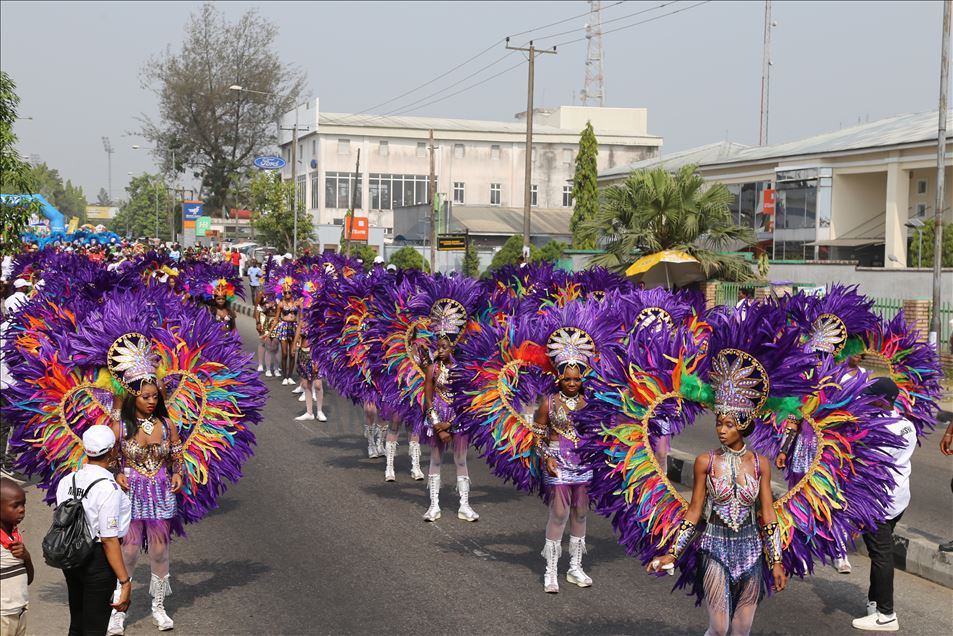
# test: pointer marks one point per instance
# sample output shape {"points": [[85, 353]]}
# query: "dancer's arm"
{"points": [[541, 432], [686, 530], [770, 532]]}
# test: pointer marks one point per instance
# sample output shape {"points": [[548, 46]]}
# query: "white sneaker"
{"points": [[307, 417], [277, 373], [269, 374], [298, 389], [301, 398], [117, 624], [842, 566], [877, 622], [260, 368], [322, 417]]}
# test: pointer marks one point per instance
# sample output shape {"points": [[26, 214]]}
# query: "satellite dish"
{"points": [[314, 164]]}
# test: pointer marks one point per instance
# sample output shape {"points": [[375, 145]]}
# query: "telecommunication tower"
{"points": [[594, 93]]}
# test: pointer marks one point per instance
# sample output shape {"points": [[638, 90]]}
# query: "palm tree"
{"points": [[656, 210]]}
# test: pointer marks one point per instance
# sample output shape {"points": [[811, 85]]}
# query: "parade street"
{"points": [[312, 540]]}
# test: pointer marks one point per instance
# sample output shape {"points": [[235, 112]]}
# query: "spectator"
{"points": [[235, 258], [21, 287], [946, 447], [6, 268], [880, 610], [254, 279], [15, 562], [175, 254], [108, 513]]}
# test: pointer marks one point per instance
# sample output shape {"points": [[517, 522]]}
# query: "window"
{"points": [[921, 209], [302, 189], [337, 190], [344, 146], [921, 186], [383, 148], [494, 152], [534, 195], [314, 147], [458, 151], [534, 155], [567, 196], [300, 150], [388, 191], [796, 204], [421, 149], [315, 191], [567, 156], [496, 193], [459, 191]]}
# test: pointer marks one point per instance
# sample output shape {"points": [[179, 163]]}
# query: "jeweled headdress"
{"points": [[132, 360], [741, 384], [220, 287], [570, 347], [448, 318]]}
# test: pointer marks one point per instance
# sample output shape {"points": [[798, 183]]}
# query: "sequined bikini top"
{"points": [[441, 382], [730, 500], [145, 460], [560, 420]]}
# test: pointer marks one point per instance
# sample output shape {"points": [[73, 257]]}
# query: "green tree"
{"points": [[364, 252], [552, 251], [147, 206], [510, 253], [213, 129], [15, 174], [409, 258], [471, 261], [655, 210], [103, 198], [585, 193], [270, 199], [65, 197], [928, 238]]}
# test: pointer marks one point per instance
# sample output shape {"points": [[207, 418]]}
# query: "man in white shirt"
{"points": [[880, 611], [108, 514], [21, 288]]}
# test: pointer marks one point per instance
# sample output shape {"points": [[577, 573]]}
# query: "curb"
{"points": [[913, 552], [244, 309]]}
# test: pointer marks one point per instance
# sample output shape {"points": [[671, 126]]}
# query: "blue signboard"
{"points": [[192, 210], [270, 163]]}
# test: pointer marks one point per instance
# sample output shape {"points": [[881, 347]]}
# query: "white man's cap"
{"points": [[378, 259], [97, 440], [20, 282]]}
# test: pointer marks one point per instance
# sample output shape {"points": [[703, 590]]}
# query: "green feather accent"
{"points": [[692, 388], [852, 347], [784, 407]]}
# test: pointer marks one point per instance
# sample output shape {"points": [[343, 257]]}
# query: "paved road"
{"points": [[313, 541]]}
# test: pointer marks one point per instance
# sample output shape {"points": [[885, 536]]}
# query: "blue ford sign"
{"points": [[270, 162], [192, 209]]}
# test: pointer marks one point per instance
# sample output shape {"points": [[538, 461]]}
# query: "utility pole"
{"points": [[765, 74], [528, 177], [294, 182], [108, 147], [940, 177], [432, 198], [349, 221]]}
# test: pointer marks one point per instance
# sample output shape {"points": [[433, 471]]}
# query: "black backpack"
{"points": [[67, 543]]}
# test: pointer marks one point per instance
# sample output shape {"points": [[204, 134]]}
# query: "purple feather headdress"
{"points": [[827, 322]]}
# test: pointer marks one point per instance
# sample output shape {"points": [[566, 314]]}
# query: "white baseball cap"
{"points": [[378, 259], [97, 440], [21, 282], [391, 268]]}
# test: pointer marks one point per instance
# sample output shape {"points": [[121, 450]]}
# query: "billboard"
{"points": [[451, 242], [355, 228], [101, 212], [192, 210], [202, 225]]}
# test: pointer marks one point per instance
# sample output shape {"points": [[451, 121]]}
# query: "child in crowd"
{"points": [[16, 566]]}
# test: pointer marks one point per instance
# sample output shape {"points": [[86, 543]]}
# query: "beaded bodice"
{"points": [[441, 382], [560, 419], [146, 459], [732, 501]]}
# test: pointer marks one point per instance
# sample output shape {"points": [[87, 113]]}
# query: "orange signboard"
{"points": [[189, 225], [355, 228], [769, 202]]}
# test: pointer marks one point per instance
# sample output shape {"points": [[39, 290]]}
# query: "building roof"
{"points": [[676, 160], [893, 131], [493, 220], [457, 125]]}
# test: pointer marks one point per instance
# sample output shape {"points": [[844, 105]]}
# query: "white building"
{"points": [[477, 163]]}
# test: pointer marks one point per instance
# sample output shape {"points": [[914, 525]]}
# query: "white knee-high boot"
{"points": [[159, 588], [577, 547], [551, 552], [415, 471], [433, 485], [390, 451], [465, 512]]}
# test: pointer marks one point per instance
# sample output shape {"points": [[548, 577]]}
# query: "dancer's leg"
{"points": [[578, 511], [558, 513], [717, 598], [461, 443]]}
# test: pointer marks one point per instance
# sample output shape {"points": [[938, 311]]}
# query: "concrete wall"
{"points": [[856, 200], [630, 120], [929, 199], [901, 283]]}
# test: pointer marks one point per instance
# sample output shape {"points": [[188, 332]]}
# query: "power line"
{"points": [[466, 88], [478, 55], [605, 22], [640, 22]]}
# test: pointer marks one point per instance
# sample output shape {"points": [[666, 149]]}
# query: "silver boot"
{"points": [[465, 512], [159, 588], [577, 548], [371, 441], [551, 552], [433, 486], [381, 440], [390, 451], [415, 471]]}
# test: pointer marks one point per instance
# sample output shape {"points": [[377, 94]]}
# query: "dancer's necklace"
{"points": [[147, 425], [571, 402]]}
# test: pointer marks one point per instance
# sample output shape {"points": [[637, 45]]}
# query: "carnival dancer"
{"points": [[265, 312], [151, 472], [313, 391], [566, 479], [285, 324], [220, 294]]}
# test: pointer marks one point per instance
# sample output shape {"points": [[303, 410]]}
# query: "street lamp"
{"points": [[294, 158], [917, 224]]}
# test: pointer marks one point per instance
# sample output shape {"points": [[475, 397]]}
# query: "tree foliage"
{"points": [[103, 198], [409, 258], [65, 197], [147, 202], [585, 192], [928, 239], [271, 199], [511, 252], [655, 210], [471, 261], [364, 252], [213, 129], [552, 251], [15, 174]]}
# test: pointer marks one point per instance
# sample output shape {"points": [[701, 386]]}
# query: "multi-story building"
{"points": [[478, 164]]}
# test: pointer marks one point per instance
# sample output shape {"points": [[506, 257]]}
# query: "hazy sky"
{"points": [[698, 72]]}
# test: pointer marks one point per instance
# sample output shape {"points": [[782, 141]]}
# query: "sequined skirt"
{"points": [[738, 552], [570, 470], [284, 330], [151, 497], [305, 365]]}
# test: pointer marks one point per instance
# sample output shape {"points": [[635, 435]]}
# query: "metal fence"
{"points": [[887, 308]]}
